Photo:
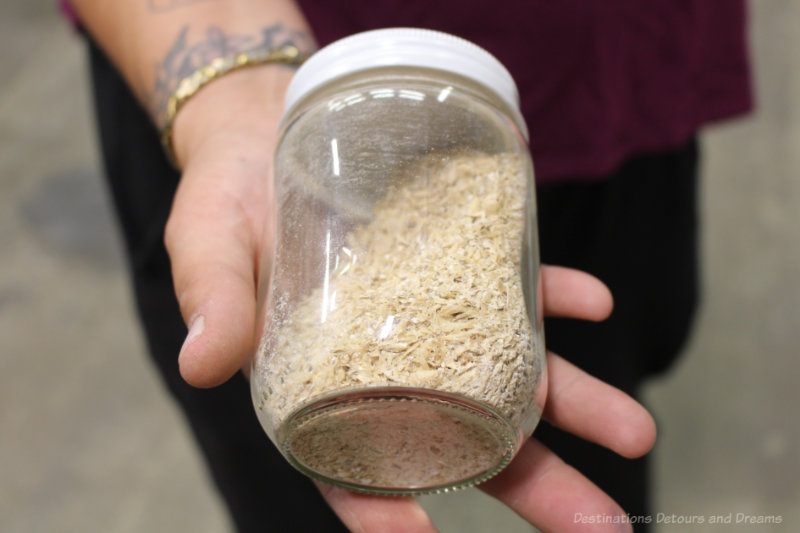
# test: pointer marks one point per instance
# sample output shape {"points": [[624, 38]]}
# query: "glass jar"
{"points": [[400, 347]]}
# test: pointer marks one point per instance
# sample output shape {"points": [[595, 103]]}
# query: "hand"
{"points": [[216, 235], [537, 484]]}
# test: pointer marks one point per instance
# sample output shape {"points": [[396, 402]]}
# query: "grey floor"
{"points": [[89, 441]]}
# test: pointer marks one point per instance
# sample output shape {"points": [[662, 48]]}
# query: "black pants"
{"points": [[635, 230]]}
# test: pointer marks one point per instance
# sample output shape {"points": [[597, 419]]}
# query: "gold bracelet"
{"points": [[190, 85]]}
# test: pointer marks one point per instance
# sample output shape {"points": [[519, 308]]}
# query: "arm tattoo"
{"points": [[184, 58]]}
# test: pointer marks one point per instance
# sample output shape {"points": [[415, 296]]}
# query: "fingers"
{"points": [[573, 293], [363, 513], [576, 401], [549, 494], [210, 240], [593, 410]]}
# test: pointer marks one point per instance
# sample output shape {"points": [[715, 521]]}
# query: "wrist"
{"points": [[238, 109]]}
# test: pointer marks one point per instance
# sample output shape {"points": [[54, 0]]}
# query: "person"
{"points": [[614, 94]]}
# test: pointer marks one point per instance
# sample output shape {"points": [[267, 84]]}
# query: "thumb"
{"points": [[212, 246]]}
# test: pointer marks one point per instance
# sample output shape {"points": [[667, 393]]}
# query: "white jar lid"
{"points": [[412, 47]]}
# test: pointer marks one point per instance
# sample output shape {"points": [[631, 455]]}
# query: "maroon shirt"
{"points": [[599, 80]]}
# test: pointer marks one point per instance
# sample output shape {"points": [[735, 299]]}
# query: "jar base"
{"points": [[396, 441]]}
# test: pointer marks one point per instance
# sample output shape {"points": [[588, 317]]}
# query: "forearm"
{"points": [[156, 43]]}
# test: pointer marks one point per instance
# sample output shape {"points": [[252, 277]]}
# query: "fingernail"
{"points": [[195, 330]]}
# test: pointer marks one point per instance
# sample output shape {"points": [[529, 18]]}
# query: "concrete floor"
{"points": [[89, 441]]}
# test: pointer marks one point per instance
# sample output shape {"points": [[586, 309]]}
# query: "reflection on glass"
{"points": [[411, 95], [335, 156], [444, 93]]}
